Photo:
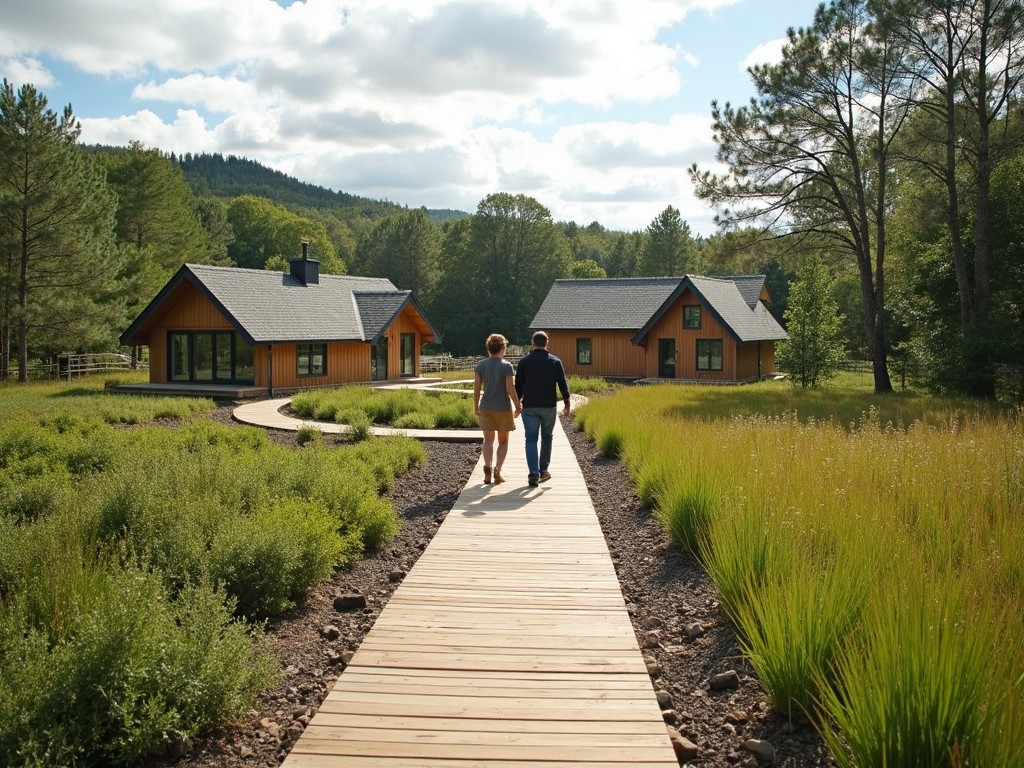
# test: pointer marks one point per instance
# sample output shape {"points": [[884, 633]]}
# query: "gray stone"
{"points": [[685, 749], [330, 632], [664, 699], [651, 640], [350, 602], [695, 630], [725, 681], [761, 749]]}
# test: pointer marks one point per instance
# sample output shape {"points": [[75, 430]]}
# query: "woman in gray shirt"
{"points": [[497, 409]]}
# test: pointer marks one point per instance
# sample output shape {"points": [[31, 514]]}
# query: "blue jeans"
{"points": [[539, 422]]}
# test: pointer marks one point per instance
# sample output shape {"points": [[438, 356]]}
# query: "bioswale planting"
{"points": [[869, 551], [139, 565]]}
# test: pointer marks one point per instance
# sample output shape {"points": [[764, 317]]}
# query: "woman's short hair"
{"points": [[496, 342]]}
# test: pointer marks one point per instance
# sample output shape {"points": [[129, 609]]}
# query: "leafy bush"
{"points": [[133, 671], [415, 421], [378, 523], [358, 424], [269, 560], [306, 435], [112, 639]]}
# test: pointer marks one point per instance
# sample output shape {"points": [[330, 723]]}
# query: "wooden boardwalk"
{"points": [[508, 644]]}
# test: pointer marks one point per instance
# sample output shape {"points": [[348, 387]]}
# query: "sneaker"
{"points": [[545, 476], [532, 481], [487, 475]]}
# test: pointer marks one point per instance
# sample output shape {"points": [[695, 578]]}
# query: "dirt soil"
{"points": [[671, 601]]}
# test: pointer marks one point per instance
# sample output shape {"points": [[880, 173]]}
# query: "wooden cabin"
{"points": [[257, 332], [698, 329]]}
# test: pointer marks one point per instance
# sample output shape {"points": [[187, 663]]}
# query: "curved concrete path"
{"points": [[267, 413]]}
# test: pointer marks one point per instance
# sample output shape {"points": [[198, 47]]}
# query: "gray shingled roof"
{"points": [[750, 286], [274, 306], [635, 304], [378, 308], [612, 304], [725, 299]]}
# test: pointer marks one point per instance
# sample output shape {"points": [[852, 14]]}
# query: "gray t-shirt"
{"points": [[494, 372]]}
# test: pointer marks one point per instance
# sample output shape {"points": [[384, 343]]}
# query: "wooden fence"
{"points": [[69, 366], [442, 363]]}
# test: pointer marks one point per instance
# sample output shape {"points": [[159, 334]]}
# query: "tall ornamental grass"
{"points": [[835, 526]]}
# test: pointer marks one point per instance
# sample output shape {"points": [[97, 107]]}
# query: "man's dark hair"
{"points": [[540, 339]]}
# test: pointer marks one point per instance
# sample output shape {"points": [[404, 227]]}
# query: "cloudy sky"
{"points": [[593, 107]]}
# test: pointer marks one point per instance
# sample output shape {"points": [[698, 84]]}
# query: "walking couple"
{"points": [[529, 390]]}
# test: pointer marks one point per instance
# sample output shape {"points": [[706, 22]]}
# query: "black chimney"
{"points": [[305, 270]]}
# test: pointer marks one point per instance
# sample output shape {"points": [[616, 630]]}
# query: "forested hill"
{"points": [[229, 177]]}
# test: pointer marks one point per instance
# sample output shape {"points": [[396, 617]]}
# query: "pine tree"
{"points": [[57, 228]]}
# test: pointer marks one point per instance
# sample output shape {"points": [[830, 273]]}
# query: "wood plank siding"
{"points": [[347, 361], [614, 355], [186, 310], [670, 326], [611, 354]]}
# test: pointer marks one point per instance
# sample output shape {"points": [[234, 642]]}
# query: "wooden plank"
{"points": [[364, 761], [468, 724], [494, 752], [507, 644]]}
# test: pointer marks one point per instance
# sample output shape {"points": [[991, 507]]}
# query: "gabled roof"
{"points": [[378, 309], [610, 304], [750, 286], [636, 304], [266, 306]]}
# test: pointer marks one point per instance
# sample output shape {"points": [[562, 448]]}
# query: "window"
{"points": [[583, 347], [209, 356], [709, 354], [691, 316], [379, 360], [312, 359]]}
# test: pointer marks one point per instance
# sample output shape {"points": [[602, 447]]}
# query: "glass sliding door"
{"points": [[408, 341], [202, 357], [209, 357], [179, 357], [379, 360]]}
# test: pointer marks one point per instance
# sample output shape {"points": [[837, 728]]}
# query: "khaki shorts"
{"points": [[496, 421]]}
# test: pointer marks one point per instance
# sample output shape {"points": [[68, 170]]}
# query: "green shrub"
{"points": [[378, 522], [306, 435], [268, 560], [415, 421], [134, 671], [455, 414], [26, 498], [358, 423]]}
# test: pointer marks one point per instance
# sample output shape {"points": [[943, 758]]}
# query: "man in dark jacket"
{"points": [[537, 376]]}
